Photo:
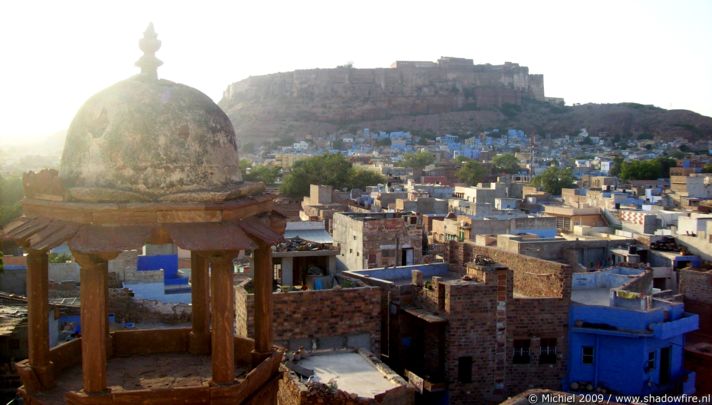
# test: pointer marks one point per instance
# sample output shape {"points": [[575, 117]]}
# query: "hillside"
{"points": [[452, 95]]}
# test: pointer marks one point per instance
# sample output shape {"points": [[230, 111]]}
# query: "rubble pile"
{"points": [[298, 244]]}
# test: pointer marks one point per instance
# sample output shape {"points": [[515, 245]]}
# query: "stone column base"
{"points": [[257, 357]]}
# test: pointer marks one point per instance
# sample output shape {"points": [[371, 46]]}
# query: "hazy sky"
{"points": [[56, 54]]}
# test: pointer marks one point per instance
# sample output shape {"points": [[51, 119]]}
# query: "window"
{"points": [[464, 369], [521, 351], [547, 351], [587, 354], [388, 253], [650, 365]]}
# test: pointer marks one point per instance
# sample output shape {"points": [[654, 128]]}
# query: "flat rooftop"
{"points": [[351, 371], [591, 296], [372, 216], [402, 275], [150, 372]]}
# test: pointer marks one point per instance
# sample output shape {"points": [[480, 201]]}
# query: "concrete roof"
{"points": [[351, 371], [591, 296]]}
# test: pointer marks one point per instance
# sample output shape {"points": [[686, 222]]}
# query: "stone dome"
{"points": [[145, 139]]}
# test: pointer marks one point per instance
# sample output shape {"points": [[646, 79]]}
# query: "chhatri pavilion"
{"points": [[149, 161]]}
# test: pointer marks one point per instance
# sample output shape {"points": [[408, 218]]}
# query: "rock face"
{"points": [[319, 100], [144, 138], [453, 95]]}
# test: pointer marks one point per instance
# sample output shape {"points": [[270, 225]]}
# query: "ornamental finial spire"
{"points": [[149, 44]]}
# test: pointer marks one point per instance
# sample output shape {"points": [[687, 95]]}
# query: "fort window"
{"points": [[587, 354], [464, 369], [547, 351], [521, 351]]}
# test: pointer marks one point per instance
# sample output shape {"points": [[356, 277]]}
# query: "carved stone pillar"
{"points": [[263, 275], [38, 318], [200, 295], [222, 299], [94, 322]]}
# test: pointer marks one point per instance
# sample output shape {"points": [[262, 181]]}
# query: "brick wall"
{"points": [[533, 277], [471, 331], [322, 315], [485, 321], [534, 319], [696, 285]]}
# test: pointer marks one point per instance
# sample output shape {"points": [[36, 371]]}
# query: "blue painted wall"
{"points": [[621, 354], [169, 264]]}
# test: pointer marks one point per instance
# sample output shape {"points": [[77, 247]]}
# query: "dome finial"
{"points": [[149, 44]]}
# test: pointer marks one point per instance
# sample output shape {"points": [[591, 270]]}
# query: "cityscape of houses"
{"points": [[480, 266], [452, 293]]}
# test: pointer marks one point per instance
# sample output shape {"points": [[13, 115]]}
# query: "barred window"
{"points": [[587, 354], [464, 369], [521, 351], [547, 351], [650, 365]]}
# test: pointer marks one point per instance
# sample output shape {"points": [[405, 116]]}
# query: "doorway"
{"points": [[407, 257], [664, 366]]}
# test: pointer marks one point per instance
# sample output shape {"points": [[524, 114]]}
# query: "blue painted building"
{"points": [[626, 337], [173, 281]]}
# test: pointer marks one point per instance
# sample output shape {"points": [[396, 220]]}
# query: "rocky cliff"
{"points": [[451, 95]]}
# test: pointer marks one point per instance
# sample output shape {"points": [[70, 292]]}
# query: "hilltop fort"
{"points": [[451, 95]]}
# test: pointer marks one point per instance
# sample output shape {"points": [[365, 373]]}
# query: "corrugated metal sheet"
{"points": [[312, 235]]}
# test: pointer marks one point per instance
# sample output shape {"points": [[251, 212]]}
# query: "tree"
{"points": [[329, 169], [418, 160], [383, 142], [337, 144], [244, 165], [11, 193], [263, 173], [360, 178], [506, 163], [646, 169], [554, 179], [472, 172], [616, 166], [59, 257]]}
